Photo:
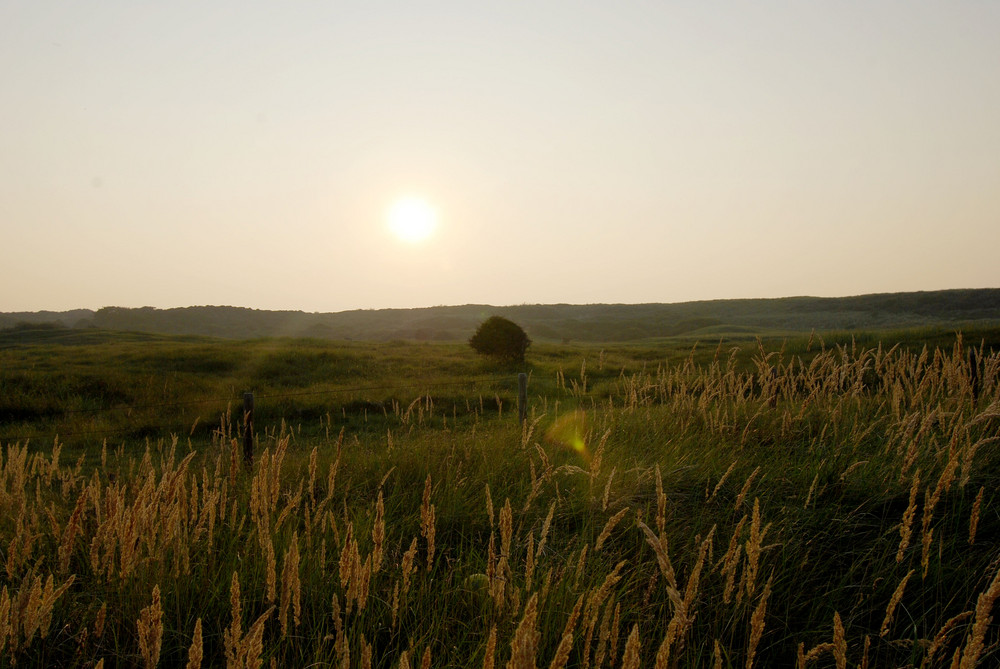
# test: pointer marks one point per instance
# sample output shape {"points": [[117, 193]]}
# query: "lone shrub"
{"points": [[500, 338]]}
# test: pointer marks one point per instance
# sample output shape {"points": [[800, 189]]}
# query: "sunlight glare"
{"points": [[412, 219]]}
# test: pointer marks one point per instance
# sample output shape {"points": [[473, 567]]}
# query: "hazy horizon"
{"points": [[326, 158], [478, 304]]}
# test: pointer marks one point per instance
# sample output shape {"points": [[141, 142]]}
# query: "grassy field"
{"points": [[825, 501]]}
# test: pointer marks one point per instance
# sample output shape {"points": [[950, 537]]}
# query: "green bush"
{"points": [[500, 338]]}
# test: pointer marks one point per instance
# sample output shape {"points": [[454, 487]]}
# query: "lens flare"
{"points": [[569, 431]]}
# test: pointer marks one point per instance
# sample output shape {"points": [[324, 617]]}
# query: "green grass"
{"points": [[821, 446]]}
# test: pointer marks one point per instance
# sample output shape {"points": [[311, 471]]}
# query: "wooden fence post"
{"points": [[522, 397], [248, 427]]}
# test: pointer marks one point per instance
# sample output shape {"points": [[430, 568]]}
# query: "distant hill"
{"points": [[553, 322]]}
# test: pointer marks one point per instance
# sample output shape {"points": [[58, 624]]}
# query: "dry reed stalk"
{"points": [[650, 587], [546, 525], [489, 506], [730, 561], [753, 546], [566, 641], [607, 489], [609, 526], [926, 537], [361, 584], [331, 475], [803, 658], [312, 476], [722, 481], [340, 639], [580, 564], [968, 455], [291, 508], [498, 584], [659, 545], [839, 642], [506, 528], [5, 618], [864, 652], [427, 519], [595, 462], [661, 503], [812, 488], [562, 652], [48, 595], [912, 451], [344, 655], [378, 534], [974, 518], [529, 562], [233, 636], [271, 579], [603, 634], [366, 653], [984, 605], [906, 525], [491, 560], [150, 626], [489, 658], [890, 609], [757, 623], [99, 621], [593, 606], [663, 652], [234, 461], [291, 587], [931, 500], [942, 636], [69, 534], [407, 565], [195, 650], [346, 562], [524, 645], [630, 656], [746, 487], [395, 603], [683, 617], [615, 627]]}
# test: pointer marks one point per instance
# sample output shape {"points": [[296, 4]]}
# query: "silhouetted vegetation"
{"points": [[953, 309], [501, 339]]}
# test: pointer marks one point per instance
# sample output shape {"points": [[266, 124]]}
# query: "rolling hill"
{"points": [[552, 322]]}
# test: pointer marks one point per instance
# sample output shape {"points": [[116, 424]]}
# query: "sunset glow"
{"points": [[412, 219], [584, 154]]}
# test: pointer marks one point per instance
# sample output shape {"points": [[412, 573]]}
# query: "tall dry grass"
{"points": [[696, 515]]}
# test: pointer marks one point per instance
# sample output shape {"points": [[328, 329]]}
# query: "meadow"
{"points": [[823, 501]]}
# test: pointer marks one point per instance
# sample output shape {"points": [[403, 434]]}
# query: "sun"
{"points": [[412, 219]]}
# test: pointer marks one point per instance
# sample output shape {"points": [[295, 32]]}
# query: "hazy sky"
{"points": [[246, 153]]}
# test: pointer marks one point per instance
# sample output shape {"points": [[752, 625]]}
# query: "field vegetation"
{"points": [[824, 501]]}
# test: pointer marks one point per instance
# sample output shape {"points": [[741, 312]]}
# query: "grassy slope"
{"points": [[827, 464]]}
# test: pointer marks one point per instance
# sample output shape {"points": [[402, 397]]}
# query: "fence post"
{"points": [[248, 427], [522, 397]]}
